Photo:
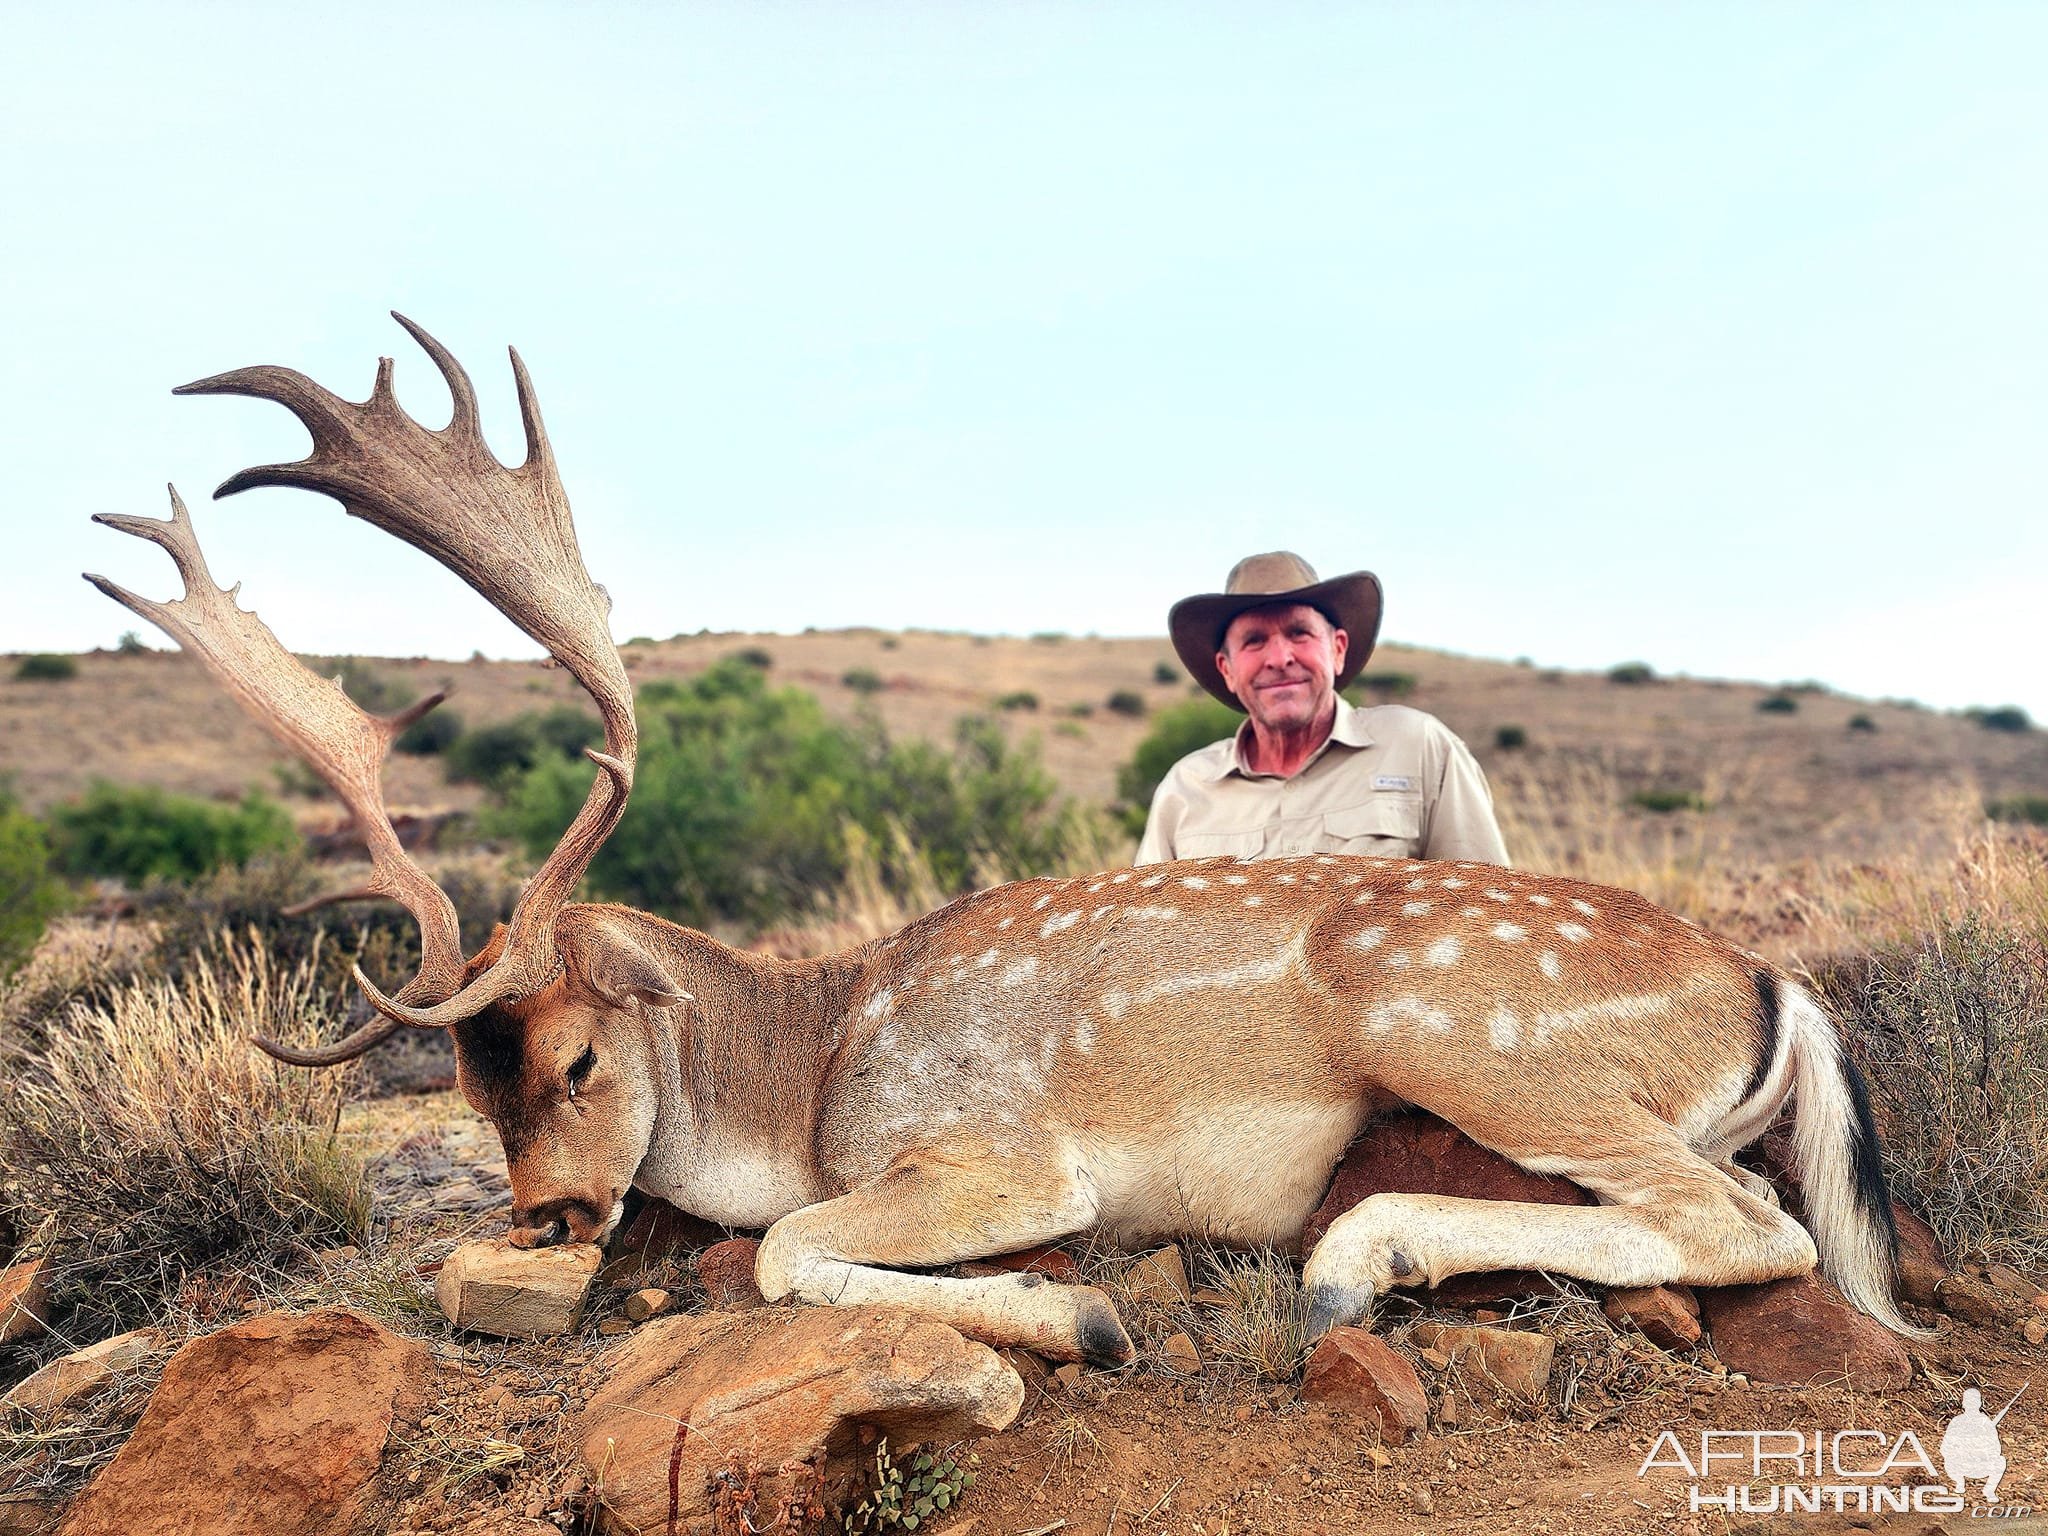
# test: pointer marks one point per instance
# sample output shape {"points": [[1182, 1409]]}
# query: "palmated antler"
{"points": [[505, 531], [311, 715]]}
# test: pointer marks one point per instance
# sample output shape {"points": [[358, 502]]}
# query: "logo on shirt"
{"points": [[1392, 781]]}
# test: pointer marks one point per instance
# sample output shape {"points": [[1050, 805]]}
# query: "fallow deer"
{"points": [[1181, 1049]]}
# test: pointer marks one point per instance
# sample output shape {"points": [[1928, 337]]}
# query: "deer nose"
{"points": [[548, 1222]]}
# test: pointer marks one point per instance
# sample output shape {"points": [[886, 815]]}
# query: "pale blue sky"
{"points": [[1709, 335]]}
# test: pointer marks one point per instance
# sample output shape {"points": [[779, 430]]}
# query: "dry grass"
{"points": [[154, 1140], [1262, 1329]]}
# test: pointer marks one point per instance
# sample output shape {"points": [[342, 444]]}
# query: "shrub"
{"points": [[136, 833], [1664, 801], [433, 733], [743, 797], [29, 895], [1777, 704], [1081, 711], [1511, 738], [1632, 674], [1383, 685], [2009, 717], [1125, 702], [46, 669], [130, 643], [497, 755], [1952, 1031], [156, 1142], [1023, 698], [890, 642], [862, 680], [754, 656], [1164, 673], [2021, 808], [1049, 637], [367, 686], [1176, 731], [1862, 723]]}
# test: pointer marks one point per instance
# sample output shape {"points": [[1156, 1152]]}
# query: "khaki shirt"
{"points": [[1390, 780]]}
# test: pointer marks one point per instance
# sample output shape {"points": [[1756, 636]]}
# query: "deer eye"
{"points": [[579, 1069]]}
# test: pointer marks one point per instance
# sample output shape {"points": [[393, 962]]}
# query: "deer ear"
{"points": [[608, 958]]}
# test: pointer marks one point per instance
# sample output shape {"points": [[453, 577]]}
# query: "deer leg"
{"points": [[1668, 1215], [928, 1209]]}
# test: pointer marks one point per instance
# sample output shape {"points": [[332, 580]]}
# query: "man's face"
{"points": [[1282, 663]]}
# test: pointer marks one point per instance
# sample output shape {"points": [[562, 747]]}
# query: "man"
{"points": [[1306, 772]]}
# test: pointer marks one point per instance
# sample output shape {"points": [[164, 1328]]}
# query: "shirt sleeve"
{"points": [[1156, 846], [1461, 823]]}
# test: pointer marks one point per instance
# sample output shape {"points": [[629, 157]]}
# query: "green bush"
{"points": [[46, 669], [1664, 801], [434, 732], [1081, 710], [1165, 672], [1382, 685], [754, 656], [29, 895], [496, 755], [1023, 698], [1862, 723], [743, 797], [862, 680], [2032, 809], [130, 643], [1777, 704], [135, 833], [1125, 702], [1632, 674], [1511, 738], [1176, 731], [2009, 717]]}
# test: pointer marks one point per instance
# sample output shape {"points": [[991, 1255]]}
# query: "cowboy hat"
{"points": [[1352, 603]]}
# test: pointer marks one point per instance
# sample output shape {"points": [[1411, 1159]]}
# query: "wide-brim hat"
{"points": [[1196, 624]]}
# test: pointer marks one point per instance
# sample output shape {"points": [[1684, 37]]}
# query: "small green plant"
{"points": [[1862, 723], [1023, 698], [1511, 738], [2009, 717], [46, 669], [754, 656], [2030, 809], [890, 642], [433, 733], [1048, 637], [899, 1502], [862, 680], [1665, 801], [29, 895], [1384, 685], [1777, 704], [1125, 702], [1164, 673], [136, 833], [1632, 674], [1081, 711], [130, 643]]}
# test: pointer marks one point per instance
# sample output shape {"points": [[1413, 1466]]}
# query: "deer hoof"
{"points": [[1335, 1306], [1100, 1334]]}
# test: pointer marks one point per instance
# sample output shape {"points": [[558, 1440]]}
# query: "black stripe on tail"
{"points": [[1768, 1005], [1867, 1159]]}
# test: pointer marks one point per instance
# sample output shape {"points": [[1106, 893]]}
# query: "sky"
{"points": [[1713, 336]]}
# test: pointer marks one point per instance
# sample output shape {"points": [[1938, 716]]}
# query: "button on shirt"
{"points": [[1390, 780]]}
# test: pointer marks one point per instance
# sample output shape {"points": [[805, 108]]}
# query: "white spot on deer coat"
{"points": [[1253, 901], [1407, 1010], [1510, 933], [1120, 879], [1454, 884], [1398, 960], [1580, 906], [1195, 883], [1005, 923], [1549, 965], [1042, 903], [1019, 972], [988, 958], [879, 1004], [1155, 914], [1369, 938], [1414, 908], [1236, 879], [1503, 1028], [1059, 922], [1573, 933], [1445, 951], [1538, 899], [1498, 896]]}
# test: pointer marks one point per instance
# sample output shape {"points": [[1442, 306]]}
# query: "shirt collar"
{"points": [[1347, 730]]}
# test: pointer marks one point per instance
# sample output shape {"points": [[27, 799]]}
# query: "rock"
{"points": [[1657, 1312], [1035, 1371], [660, 1231], [1181, 1355], [516, 1293], [777, 1400], [1511, 1358], [82, 1372], [1977, 1301], [1358, 1372], [27, 1514], [1053, 1263], [2011, 1281], [1159, 1277], [24, 1301], [1486, 1288], [273, 1427], [2034, 1329], [1421, 1155], [1800, 1331], [642, 1305], [1068, 1375], [726, 1271], [1922, 1266]]}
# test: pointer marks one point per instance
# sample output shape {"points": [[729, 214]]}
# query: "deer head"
{"points": [[550, 1018]]}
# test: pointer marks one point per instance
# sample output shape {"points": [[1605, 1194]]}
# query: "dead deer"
{"points": [[1185, 1049]]}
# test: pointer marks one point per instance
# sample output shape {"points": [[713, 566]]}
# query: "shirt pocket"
{"points": [[1214, 845], [1386, 824]]}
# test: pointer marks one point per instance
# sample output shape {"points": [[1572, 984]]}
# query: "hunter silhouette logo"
{"points": [[1970, 1451]]}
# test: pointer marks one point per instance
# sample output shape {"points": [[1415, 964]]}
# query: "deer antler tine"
{"points": [[460, 390], [412, 713], [348, 1048], [538, 454], [332, 899]]}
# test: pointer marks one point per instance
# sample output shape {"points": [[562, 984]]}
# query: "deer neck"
{"points": [[740, 1078]]}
